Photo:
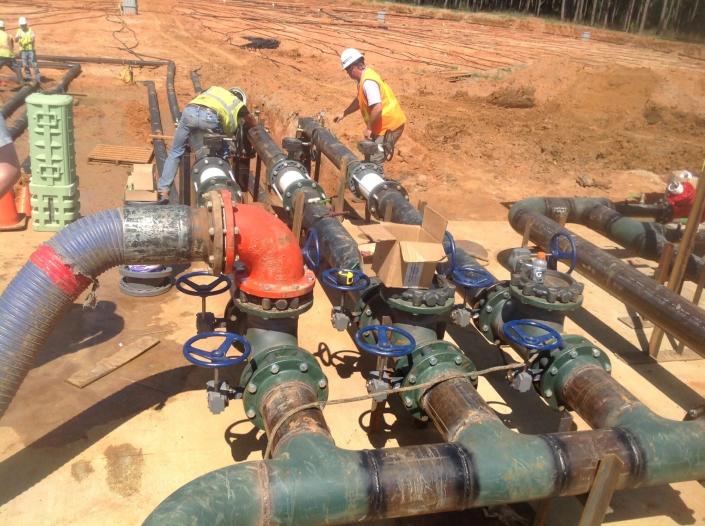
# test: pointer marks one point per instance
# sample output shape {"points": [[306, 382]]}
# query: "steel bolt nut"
{"points": [[303, 367], [596, 352], [322, 383], [548, 393], [274, 369], [506, 295], [211, 231], [554, 371], [251, 388], [209, 205], [485, 328], [251, 413], [573, 353], [489, 308], [608, 367], [408, 402], [458, 360], [433, 360], [412, 378]]}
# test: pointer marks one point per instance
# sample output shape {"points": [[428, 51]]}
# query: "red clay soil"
{"points": [[498, 108]]}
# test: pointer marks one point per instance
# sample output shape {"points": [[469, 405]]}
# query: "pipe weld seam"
{"points": [[471, 482], [637, 458], [370, 465], [561, 460]]}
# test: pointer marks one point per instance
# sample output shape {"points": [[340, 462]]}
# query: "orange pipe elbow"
{"points": [[270, 251]]}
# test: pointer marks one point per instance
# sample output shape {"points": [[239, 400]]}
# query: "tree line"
{"points": [[680, 18]]}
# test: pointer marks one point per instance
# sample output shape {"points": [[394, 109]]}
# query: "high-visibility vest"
{"points": [[224, 103], [25, 39], [5, 45], [392, 115]]}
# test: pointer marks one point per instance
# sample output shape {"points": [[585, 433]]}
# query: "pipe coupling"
{"points": [[287, 177]]}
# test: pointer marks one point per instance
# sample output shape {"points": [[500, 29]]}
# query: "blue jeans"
{"points": [[195, 122], [10, 63], [29, 60]]}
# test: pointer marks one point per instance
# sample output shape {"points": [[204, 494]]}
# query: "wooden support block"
{"points": [[118, 154], [601, 492], [661, 274], [258, 176], [298, 219], [339, 204], [388, 210], [107, 365]]}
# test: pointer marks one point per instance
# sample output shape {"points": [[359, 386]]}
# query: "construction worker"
{"points": [[25, 38], [216, 110], [9, 164], [7, 55], [379, 107]]}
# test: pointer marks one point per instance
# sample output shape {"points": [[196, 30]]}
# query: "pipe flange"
{"points": [[216, 232], [275, 366], [281, 167], [490, 307], [272, 308], [373, 200], [420, 301], [433, 361], [559, 291], [293, 189], [231, 231], [576, 351]]}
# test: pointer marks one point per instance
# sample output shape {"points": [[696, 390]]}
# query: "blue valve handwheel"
{"points": [[554, 247], [359, 280], [203, 290], [547, 340], [218, 357], [312, 250], [472, 276], [384, 345]]}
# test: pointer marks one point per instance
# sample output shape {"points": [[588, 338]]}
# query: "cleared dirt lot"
{"points": [[498, 109]]}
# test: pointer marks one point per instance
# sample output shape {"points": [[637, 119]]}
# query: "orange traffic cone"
{"points": [[9, 218]]}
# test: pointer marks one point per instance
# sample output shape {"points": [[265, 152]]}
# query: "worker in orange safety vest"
{"points": [[376, 101]]}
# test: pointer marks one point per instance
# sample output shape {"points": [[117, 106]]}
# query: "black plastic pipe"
{"points": [[62, 268], [673, 313], [20, 124], [17, 99], [336, 244], [196, 80], [155, 122], [402, 210], [171, 93]]}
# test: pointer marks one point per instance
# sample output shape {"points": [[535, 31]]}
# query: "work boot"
{"points": [[163, 197]]}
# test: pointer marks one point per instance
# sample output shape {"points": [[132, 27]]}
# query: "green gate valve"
{"points": [[490, 310], [553, 366], [271, 368], [432, 361]]}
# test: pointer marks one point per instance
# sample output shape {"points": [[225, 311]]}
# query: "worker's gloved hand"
{"points": [[338, 118]]}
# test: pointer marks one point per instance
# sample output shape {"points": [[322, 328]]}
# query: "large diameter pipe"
{"points": [[673, 313], [326, 142], [61, 269], [265, 147], [18, 98]]}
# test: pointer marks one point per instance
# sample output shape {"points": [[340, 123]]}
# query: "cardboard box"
{"points": [[407, 255], [144, 196], [141, 178]]}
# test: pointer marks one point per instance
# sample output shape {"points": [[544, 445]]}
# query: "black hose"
{"points": [[196, 80], [171, 93], [20, 124], [155, 122], [59, 270], [337, 246], [18, 99]]}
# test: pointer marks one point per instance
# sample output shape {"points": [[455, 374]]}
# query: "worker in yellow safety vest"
{"points": [[7, 55], [25, 38], [376, 101], [216, 110]]}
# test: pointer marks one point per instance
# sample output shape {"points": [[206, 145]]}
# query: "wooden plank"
{"points": [[121, 154], [601, 492], [107, 365], [661, 273], [298, 219]]}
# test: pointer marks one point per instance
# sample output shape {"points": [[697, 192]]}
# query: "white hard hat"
{"points": [[349, 56], [239, 93], [675, 188], [2, 24], [22, 21]]}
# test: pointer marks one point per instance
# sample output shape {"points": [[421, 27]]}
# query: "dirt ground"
{"points": [[499, 108]]}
